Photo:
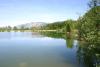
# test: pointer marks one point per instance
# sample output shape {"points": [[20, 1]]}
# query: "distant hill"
{"points": [[32, 24]]}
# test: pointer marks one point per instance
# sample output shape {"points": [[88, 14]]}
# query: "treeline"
{"points": [[61, 26], [7, 28]]}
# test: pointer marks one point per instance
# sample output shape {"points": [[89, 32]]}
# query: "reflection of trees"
{"points": [[89, 55], [69, 40], [69, 43], [53, 34]]}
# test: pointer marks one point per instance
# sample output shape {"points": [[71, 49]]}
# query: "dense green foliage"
{"points": [[63, 26], [54, 26], [89, 25]]}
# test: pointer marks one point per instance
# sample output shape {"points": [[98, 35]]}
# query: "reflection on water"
{"points": [[69, 43], [31, 49], [11, 35], [89, 55], [53, 35]]}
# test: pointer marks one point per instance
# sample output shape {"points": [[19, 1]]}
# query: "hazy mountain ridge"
{"points": [[32, 24]]}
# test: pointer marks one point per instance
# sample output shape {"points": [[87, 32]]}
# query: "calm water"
{"points": [[27, 49]]}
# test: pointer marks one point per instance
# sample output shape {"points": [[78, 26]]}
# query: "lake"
{"points": [[31, 49]]}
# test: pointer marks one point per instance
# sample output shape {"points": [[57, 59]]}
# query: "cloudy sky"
{"points": [[15, 12]]}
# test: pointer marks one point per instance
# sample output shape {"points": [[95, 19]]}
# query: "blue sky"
{"points": [[15, 12]]}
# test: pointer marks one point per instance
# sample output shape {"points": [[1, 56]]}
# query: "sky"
{"points": [[16, 12]]}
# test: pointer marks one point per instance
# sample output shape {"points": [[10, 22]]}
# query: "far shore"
{"points": [[29, 31]]}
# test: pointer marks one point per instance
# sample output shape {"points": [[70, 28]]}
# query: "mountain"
{"points": [[32, 24]]}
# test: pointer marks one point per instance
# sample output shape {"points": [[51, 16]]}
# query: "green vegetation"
{"points": [[54, 26], [8, 29], [68, 27], [89, 24]]}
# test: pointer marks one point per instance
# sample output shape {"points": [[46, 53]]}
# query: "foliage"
{"points": [[89, 25], [70, 25], [63, 26], [54, 26], [7, 28]]}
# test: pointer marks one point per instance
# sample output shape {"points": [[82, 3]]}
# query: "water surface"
{"points": [[27, 49]]}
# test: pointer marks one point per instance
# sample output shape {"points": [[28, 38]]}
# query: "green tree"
{"points": [[14, 28], [8, 28], [68, 27], [89, 25]]}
